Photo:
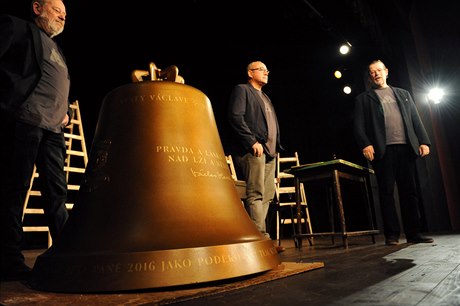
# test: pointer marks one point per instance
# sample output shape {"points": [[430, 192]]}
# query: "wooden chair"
{"points": [[240, 185], [285, 197], [231, 167]]}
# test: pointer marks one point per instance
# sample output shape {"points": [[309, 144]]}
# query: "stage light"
{"points": [[347, 89], [337, 74], [345, 48], [435, 95]]}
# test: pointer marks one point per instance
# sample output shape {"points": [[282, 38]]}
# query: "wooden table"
{"points": [[332, 172]]}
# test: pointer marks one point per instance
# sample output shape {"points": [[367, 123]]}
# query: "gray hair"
{"points": [[32, 13]]}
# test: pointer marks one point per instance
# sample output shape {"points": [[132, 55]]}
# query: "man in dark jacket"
{"points": [[391, 135], [256, 142], [34, 109]]}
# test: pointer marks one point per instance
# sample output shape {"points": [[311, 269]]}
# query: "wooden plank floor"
{"points": [[364, 274]]}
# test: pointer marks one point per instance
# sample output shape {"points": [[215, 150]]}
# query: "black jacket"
{"points": [[369, 121], [248, 119], [21, 57]]}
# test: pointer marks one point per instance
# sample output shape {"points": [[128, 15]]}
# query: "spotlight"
{"points": [[347, 89], [436, 95], [337, 74], [345, 48]]}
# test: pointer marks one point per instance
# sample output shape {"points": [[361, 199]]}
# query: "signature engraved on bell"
{"points": [[157, 206]]}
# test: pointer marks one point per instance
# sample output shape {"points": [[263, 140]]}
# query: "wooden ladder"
{"points": [[285, 195], [75, 165]]}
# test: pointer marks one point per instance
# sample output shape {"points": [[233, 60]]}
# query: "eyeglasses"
{"points": [[263, 70]]}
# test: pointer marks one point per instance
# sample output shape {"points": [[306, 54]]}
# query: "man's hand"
{"points": [[65, 121], [257, 149], [423, 150], [368, 153]]}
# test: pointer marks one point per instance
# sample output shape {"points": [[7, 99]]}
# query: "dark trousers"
{"points": [[23, 146], [398, 166]]}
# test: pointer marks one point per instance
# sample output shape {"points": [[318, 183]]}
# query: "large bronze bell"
{"points": [[158, 206]]}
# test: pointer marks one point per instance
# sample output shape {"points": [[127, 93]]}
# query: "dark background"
{"points": [[211, 42]]}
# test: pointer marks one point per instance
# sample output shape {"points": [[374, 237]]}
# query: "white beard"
{"points": [[51, 27]]}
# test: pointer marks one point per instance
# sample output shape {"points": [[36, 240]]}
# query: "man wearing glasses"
{"points": [[256, 141]]}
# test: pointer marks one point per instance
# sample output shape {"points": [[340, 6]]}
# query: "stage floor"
{"points": [[322, 274]]}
